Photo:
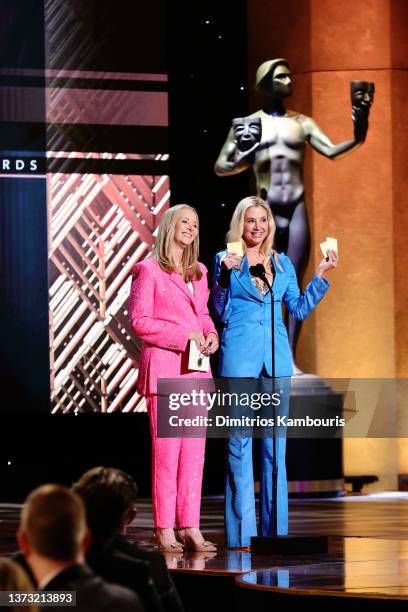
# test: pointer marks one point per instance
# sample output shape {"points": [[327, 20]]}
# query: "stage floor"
{"points": [[367, 558]]}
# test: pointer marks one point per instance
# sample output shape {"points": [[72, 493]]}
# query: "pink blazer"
{"points": [[163, 312]]}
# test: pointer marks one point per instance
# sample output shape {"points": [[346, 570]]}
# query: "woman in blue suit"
{"points": [[243, 303]]}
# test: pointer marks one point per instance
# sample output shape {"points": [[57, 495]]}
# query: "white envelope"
{"points": [[196, 360]]}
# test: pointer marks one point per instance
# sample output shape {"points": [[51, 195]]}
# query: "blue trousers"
{"points": [[240, 515]]}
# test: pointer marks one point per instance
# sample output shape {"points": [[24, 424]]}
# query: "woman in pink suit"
{"points": [[168, 307]]}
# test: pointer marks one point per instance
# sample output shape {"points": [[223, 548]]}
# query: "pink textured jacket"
{"points": [[163, 312]]}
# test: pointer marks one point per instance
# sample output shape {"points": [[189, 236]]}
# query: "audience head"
{"points": [[14, 578], [53, 525], [109, 496]]}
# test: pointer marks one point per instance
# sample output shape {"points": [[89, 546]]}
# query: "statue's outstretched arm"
{"points": [[322, 144], [231, 160]]}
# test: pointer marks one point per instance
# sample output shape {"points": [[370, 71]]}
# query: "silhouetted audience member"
{"points": [[53, 537], [110, 495], [14, 578]]}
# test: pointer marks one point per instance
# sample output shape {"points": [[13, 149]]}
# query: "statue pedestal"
{"points": [[314, 464]]}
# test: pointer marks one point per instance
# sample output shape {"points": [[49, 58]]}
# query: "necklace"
{"points": [[260, 287]]}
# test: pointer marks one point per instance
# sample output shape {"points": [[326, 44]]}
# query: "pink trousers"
{"points": [[177, 474]]}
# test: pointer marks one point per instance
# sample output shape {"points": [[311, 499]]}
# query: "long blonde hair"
{"points": [[237, 228], [14, 578], [162, 251]]}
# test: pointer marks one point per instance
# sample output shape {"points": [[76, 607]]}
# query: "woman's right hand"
{"points": [[232, 261], [198, 338]]}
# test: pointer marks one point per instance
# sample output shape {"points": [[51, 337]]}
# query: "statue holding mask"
{"points": [[272, 142]]}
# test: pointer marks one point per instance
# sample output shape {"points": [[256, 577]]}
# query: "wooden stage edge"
{"points": [[367, 559]]}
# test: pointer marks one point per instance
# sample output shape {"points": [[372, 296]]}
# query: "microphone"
{"points": [[258, 271]]}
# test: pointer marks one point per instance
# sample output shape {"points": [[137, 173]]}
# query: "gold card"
{"points": [[323, 247], [235, 248], [331, 243]]}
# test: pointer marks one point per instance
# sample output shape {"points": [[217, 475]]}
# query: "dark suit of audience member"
{"points": [[93, 594], [109, 495], [133, 573], [53, 537], [161, 577], [114, 567]]}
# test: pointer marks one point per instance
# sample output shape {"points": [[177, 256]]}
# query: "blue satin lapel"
{"points": [[276, 285], [243, 276]]}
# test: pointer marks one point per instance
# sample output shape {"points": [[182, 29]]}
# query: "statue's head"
{"points": [[273, 78], [362, 94]]}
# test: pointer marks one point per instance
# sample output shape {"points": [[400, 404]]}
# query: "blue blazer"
{"points": [[246, 339]]}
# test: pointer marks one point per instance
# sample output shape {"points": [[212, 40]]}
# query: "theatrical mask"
{"points": [[248, 131]]}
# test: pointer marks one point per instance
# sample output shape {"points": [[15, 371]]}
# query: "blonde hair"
{"points": [[162, 251], [237, 228], [14, 578]]}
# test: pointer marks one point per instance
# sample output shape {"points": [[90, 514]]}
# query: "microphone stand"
{"points": [[274, 444], [284, 545]]}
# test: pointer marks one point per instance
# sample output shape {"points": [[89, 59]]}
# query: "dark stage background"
{"points": [[203, 50]]}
